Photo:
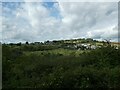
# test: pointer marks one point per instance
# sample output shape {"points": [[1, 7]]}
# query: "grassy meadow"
{"points": [[55, 66]]}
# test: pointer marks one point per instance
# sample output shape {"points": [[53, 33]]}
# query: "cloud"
{"points": [[63, 20], [84, 18], [31, 22], [105, 33]]}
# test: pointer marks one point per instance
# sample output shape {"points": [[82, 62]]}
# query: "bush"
{"points": [[99, 68]]}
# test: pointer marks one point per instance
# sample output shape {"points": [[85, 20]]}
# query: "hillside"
{"points": [[61, 64]]}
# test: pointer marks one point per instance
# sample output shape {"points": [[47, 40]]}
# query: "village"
{"points": [[80, 44]]}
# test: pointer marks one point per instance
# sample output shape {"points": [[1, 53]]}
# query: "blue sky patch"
{"points": [[11, 5], [54, 11]]}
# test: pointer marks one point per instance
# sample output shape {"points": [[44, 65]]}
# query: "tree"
{"points": [[19, 44], [27, 43]]}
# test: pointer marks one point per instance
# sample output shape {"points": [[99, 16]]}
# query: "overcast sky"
{"points": [[41, 21]]}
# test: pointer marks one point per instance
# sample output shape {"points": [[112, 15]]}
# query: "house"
{"points": [[93, 47]]}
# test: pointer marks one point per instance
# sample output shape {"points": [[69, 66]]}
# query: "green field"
{"points": [[51, 66]]}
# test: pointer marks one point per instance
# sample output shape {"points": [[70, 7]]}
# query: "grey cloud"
{"points": [[33, 22]]}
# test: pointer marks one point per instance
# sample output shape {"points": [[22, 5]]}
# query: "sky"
{"points": [[42, 21]]}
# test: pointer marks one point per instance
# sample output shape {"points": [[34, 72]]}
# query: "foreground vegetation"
{"points": [[46, 66]]}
